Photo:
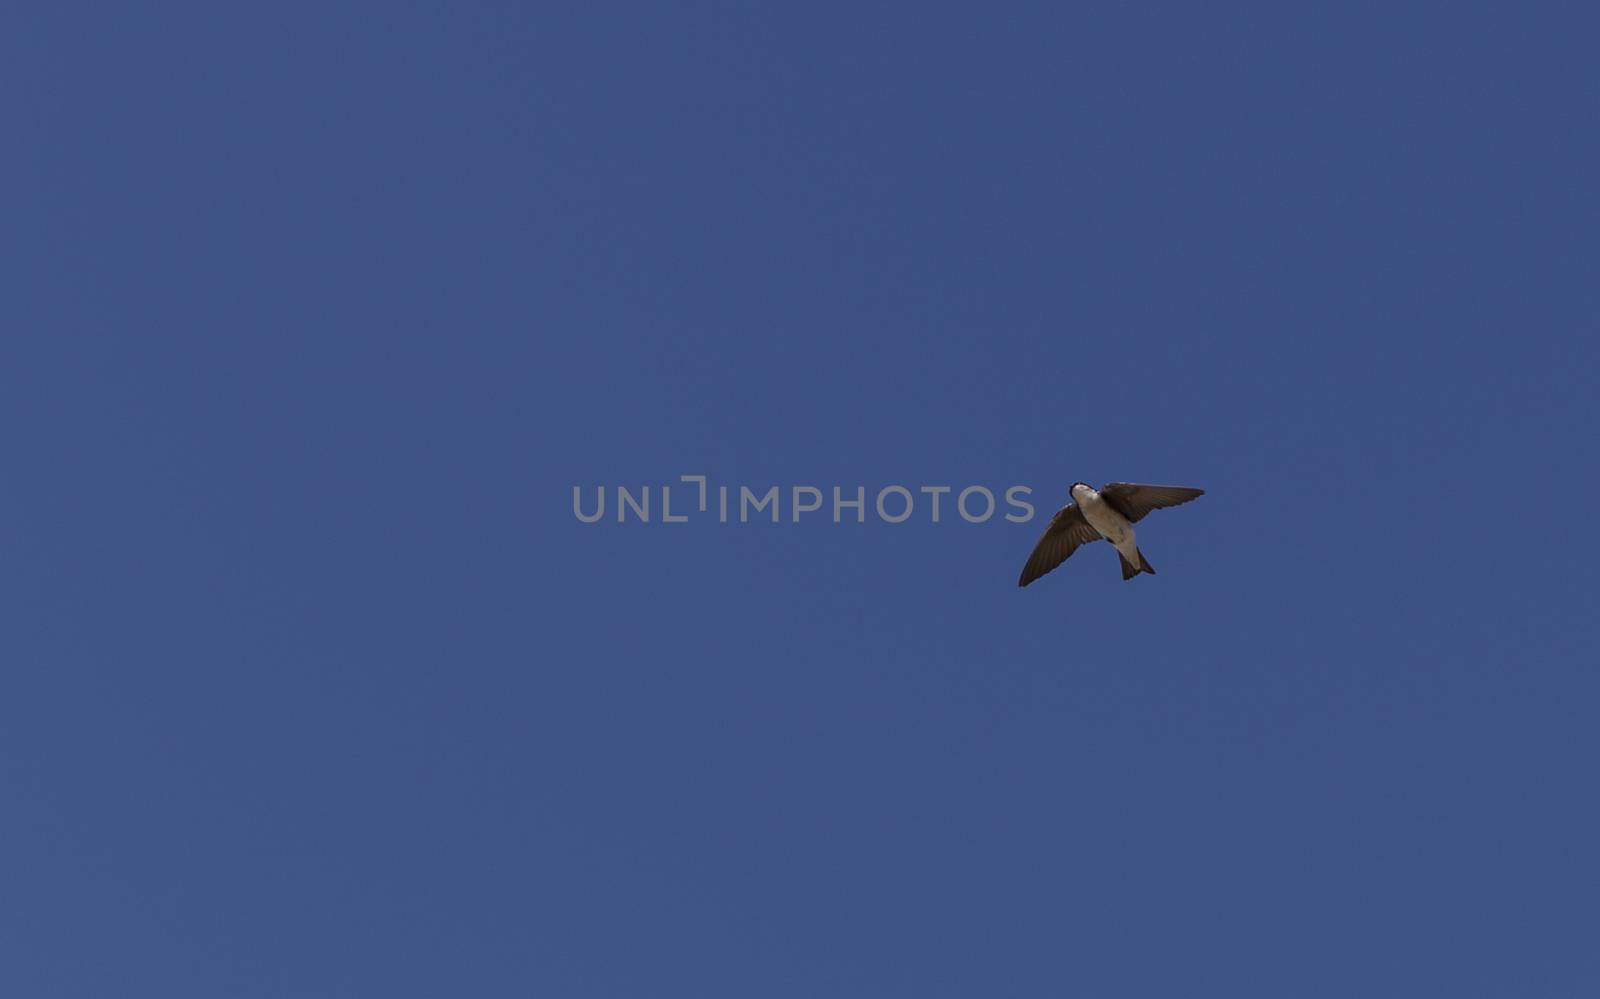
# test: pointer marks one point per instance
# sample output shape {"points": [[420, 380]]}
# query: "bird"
{"points": [[1103, 514]]}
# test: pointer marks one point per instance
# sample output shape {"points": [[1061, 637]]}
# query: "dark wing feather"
{"points": [[1066, 532], [1133, 500]]}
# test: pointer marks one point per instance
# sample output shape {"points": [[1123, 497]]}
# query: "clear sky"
{"points": [[312, 685]]}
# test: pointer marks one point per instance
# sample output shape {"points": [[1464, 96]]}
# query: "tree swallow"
{"points": [[1108, 513]]}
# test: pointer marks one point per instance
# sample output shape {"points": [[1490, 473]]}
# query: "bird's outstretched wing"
{"points": [[1066, 532], [1133, 500]]}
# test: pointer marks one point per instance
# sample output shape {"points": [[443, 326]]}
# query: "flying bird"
{"points": [[1108, 514]]}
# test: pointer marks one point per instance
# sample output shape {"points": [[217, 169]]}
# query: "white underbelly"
{"points": [[1111, 525]]}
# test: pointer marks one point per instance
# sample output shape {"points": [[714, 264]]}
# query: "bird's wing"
{"points": [[1133, 500], [1066, 532]]}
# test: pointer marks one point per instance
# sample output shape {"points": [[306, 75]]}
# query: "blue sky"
{"points": [[313, 685]]}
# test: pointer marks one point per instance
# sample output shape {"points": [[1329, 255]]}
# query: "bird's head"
{"points": [[1079, 485]]}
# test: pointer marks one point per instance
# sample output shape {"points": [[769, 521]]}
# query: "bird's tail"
{"points": [[1128, 570]]}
